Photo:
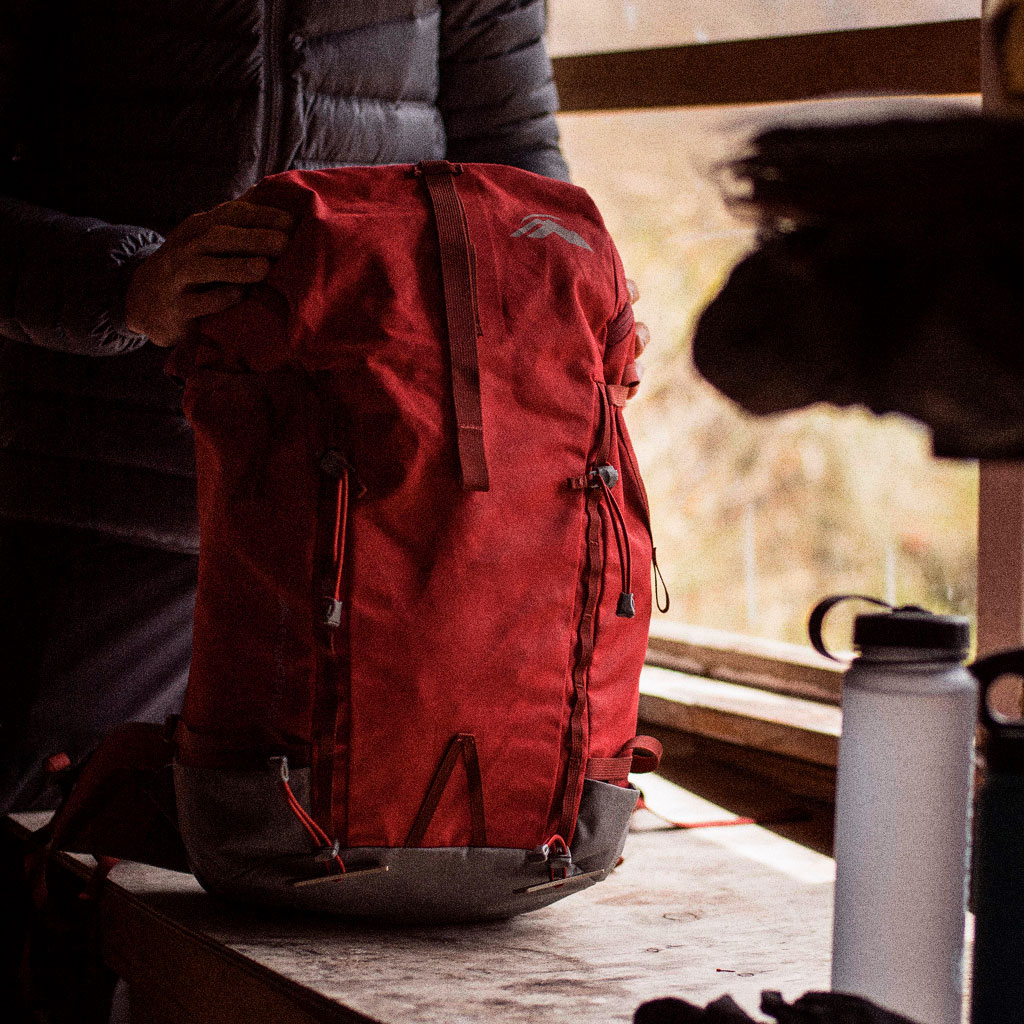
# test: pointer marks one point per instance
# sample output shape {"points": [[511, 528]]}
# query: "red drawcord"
{"points": [[340, 525], [723, 823], [316, 832], [565, 851], [332, 599]]}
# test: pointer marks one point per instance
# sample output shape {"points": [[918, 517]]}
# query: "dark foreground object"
{"points": [[887, 275], [811, 1008], [997, 992]]}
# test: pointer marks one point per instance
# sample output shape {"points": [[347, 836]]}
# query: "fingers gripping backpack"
{"points": [[425, 553]]}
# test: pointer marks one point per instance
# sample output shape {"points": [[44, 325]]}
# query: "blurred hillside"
{"points": [[755, 519], [593, 26]]}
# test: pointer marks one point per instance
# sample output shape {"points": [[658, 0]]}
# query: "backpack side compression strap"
{"points": [[457, 273]]}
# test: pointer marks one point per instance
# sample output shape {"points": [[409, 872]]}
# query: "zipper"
{"points": [[274, 90], [598, 484], [593, 576], [584, 655]]}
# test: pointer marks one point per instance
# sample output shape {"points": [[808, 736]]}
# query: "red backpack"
{"points": [[424, 575]]}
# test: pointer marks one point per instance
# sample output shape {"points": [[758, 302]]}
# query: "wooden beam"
{"points": [[1000, 503], [935, 58], [1000, 556], [770, 665], [713, 769], [742, 715]]}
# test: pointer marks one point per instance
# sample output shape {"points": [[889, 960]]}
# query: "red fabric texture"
{"points": [[461, 609]]}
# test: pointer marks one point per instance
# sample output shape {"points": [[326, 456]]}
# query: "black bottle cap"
{"points": [[913, 628]]}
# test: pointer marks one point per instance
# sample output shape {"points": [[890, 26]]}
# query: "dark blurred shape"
{"points": [[723, 1010], [889, 273], [810, 1008], [1004, 41], [997, 990]]}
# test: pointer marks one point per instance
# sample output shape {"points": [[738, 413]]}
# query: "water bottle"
{"points": [[903, 793], [998, 978]]}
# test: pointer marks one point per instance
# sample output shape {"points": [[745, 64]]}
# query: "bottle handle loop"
{"points": [[987, 671], [824, 606]]}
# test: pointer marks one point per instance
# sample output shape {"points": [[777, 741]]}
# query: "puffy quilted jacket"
{"points": [[128, 118]]}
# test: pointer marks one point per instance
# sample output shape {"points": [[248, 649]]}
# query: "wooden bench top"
{"points": [[693, 913]]}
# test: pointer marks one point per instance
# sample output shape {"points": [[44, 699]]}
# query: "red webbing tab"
{"points": [[641, 754], [461, 313], [646, 752], [425, 167], [620, 326], [617, 394]]}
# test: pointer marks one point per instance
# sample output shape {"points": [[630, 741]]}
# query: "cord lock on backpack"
{"points": [[606, 477], [606, 474], [556, 854], [334, 465], [332, 612]]}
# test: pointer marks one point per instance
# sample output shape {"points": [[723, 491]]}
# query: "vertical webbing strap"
{"points": [[462, 745], [461, 313]]}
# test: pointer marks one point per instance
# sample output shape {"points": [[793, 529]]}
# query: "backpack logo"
{"points": [[540, 225]]}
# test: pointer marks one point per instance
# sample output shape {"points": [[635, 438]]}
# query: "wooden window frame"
{"points": [[931, 58]]}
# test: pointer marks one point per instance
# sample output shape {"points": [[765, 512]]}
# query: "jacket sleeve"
{"points": [[63, 279], [497, 93]]}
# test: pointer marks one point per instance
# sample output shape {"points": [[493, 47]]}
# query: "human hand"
{"points": [[643, 336], [202, 268]]}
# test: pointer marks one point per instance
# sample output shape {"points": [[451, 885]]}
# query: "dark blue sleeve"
{"points": [[63, 279], [497, 94]]}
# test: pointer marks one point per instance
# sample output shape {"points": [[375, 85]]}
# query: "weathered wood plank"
{"points": [[683, 915], [694, 914], [935, 58]]}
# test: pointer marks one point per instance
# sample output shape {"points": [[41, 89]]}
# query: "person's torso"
{"points": [[143, 114]]}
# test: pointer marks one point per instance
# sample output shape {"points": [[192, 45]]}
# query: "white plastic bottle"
{"points": [[903, 799]]}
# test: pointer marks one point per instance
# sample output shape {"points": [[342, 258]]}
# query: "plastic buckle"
{"points": [[560, 860], [609, 474], [328, 853], [333, 463], [547, 854], [332, 612], [280, 763], [539, 854]]}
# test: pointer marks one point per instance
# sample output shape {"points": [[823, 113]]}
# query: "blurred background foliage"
{"points": [[755, 519]]}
